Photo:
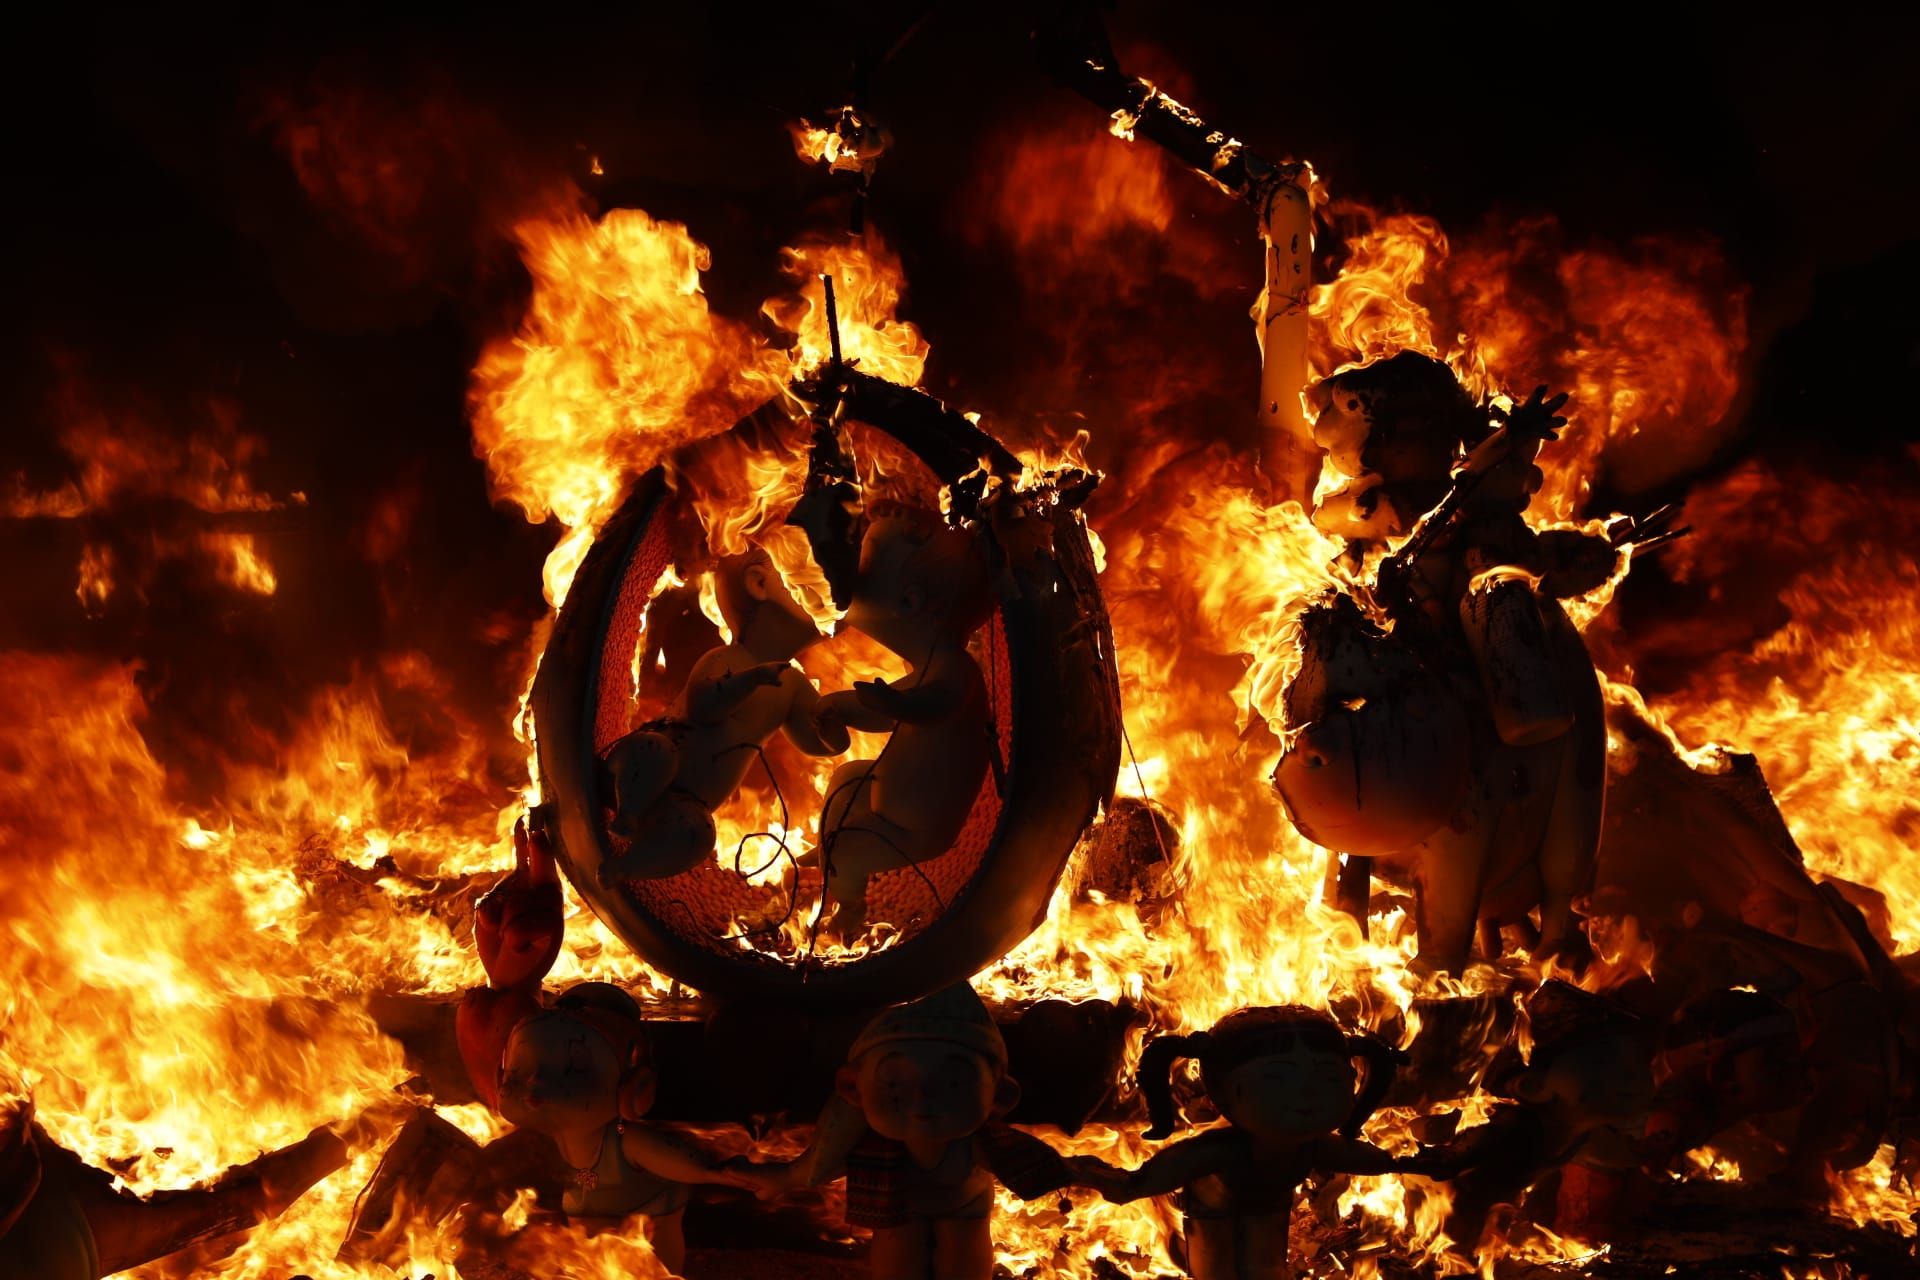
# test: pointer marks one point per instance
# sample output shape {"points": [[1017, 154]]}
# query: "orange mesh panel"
{"points": [[614, 698]]}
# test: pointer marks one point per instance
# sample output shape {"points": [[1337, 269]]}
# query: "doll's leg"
{"points": [[902, 1253], [641, 766], [962, 1249], [847, 795], [1572, 839], [675, 835], [1452, 870], [1212, 1250], [666, 1233]]}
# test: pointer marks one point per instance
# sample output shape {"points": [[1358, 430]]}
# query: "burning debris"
{"points": [[901, 797]]}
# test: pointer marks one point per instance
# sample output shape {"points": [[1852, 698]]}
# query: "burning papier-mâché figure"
{"points": [[1451, 725], [669, 776], [914, 1128], [1284, 1080], [1572, 1140], [63, 1219], [579, 1072], [923, 590]]}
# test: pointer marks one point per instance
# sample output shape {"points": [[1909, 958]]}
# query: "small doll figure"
{"points": [[579, 1072], [923, 590], [913, 1128], [1575, 1130], [1284, 1080], [669, 776]]}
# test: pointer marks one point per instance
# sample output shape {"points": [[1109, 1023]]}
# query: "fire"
{"points": [[188, 981]]}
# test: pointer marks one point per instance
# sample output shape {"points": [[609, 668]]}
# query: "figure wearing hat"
{"points": [[914, 1129]]}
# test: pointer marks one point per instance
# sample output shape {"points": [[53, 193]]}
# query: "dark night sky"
{"points": [[163, 254]]}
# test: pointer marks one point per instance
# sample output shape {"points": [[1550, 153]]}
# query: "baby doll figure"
{"points": [[669, 776], [1284, 1079], [913, 1129], [923, 590]]}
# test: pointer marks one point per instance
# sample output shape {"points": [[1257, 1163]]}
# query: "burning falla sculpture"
{"points": [[1284, 1080], [914, 1129], [1572, 1130], [63, 1219], [579, 1072], [1451, 725], [669, 776]]}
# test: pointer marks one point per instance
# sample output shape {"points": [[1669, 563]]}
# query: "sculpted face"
{"points": [[1604, 1082], [1296, 1092], [561, 1075], [926, 1090], [891, 602], [921, 584]]}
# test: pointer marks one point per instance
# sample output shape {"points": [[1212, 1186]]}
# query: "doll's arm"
{"points": [[711, 697], [810, 725], [672, 1156], [938, 693], [847, 707], [839, 1128], [1180, 1165]]}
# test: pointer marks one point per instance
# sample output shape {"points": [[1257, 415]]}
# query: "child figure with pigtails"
{"points": [[1284, 1081]]}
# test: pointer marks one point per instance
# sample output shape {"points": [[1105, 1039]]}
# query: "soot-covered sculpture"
{"points": [[1283, 1078], [955, 833], [1449, 724], [579, 1072], [915, 1130]]}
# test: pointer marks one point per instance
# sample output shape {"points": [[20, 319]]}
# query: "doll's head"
{"points": [[1591, 1062], [1391, 430], [923, 584], [581, 1065], [1277, 1072], [933, 1070], [759, 609]]}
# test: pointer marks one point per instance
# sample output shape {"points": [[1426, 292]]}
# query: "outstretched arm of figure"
{"points": [[848, 707], [713, 694], [810, 725], [840, 1126], [938, 692], [1180, 1165], [673, 1156]]}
